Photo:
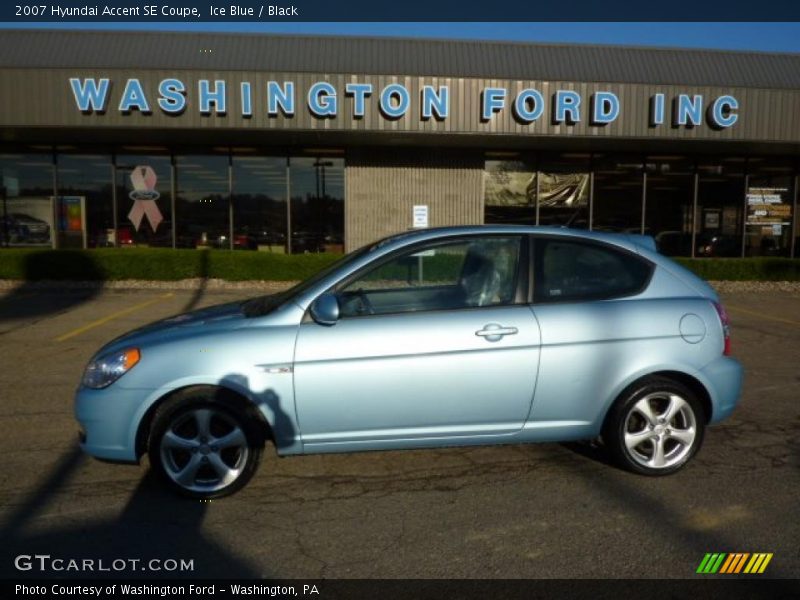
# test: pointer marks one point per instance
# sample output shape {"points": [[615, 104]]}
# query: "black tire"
{"points": [[210, 430], [633, 438]]}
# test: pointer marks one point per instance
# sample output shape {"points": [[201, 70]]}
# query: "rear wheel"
{"points": [[655, 428], [203, 446]]}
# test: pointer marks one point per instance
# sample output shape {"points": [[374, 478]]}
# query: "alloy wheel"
{"points": [[204, 450], [660, 430]]}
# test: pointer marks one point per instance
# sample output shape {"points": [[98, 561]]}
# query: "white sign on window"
{"points": [[420, 216]]}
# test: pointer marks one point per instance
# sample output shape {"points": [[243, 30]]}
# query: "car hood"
{"points": [[197, 322]]}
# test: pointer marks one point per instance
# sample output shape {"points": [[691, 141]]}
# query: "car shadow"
{"points": [[198, 294], [268, 402], [592, 450], [31, 299], [153, 525], [154, 522]]}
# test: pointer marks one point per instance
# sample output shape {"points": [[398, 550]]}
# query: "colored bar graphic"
{"points": [[717, 564], [732, 563], [703, 564], [765, 563], [753, 564], [758, 563], [711, 563], [727, 564], [741, 562]]}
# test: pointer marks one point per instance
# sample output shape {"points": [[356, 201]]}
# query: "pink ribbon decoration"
{"points": [[144, 196]]}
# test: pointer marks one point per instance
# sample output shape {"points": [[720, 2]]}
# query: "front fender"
{"points": [[274, 399]]}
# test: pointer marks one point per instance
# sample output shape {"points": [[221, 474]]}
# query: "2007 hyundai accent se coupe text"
{"points": [[437, 337]]}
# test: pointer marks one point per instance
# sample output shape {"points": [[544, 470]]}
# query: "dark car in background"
{"points": [[674, 243]]}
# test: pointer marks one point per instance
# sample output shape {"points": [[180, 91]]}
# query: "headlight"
{"points": [[105, 370]]}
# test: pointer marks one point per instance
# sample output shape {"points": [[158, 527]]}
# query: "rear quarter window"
{"points": [[570, 270]]}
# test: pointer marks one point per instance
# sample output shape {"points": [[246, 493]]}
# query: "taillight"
{"points": [[725, 321]]}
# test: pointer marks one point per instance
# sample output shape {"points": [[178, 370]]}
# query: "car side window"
{"points": [[466, 273], [569, 270]]}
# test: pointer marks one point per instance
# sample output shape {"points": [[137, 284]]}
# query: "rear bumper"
{"points": [[724, 377]]}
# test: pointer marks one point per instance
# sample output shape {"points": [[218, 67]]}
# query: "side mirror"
{"points": [[325, 309]]}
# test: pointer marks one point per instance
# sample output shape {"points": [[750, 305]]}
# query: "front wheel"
{"points": [[204, 447], [655, 428]]}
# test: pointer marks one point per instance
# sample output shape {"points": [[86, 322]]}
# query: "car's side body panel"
{"points": [[589, 349], [425, 375]]}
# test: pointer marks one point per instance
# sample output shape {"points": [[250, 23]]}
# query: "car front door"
{"points": [[432, 342]]}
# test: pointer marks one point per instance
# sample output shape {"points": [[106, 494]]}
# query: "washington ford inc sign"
{"points": [[325, 101]]}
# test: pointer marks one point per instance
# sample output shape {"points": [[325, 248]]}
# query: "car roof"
{"points": [[625, 240]]}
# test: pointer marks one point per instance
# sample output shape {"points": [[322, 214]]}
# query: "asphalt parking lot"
{"points": [[547, 510]]}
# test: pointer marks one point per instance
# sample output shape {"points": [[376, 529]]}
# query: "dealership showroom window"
{"points": [[249, 201], [342, 138], [225, 200]]}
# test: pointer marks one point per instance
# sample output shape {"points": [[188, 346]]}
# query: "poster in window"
{"points": [[711, 219], [768, 206]]}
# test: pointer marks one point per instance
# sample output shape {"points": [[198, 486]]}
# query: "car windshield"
{"points": [[262, 305], [257, 307]]}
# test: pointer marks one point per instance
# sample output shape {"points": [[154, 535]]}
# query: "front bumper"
{"points": [[724, 377], [109, 419]]}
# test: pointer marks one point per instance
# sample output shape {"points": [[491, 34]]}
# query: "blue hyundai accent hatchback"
{"points": [[438, 337]]}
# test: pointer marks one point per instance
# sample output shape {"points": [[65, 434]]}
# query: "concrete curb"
{"points": [[733, 287], [8, 285]]}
